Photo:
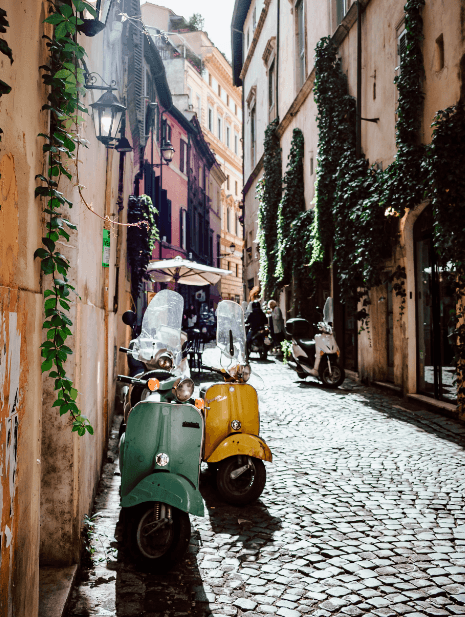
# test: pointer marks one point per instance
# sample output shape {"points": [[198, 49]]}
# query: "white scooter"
{"points": [[319, 357]]}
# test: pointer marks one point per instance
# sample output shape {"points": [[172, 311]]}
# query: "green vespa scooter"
{"points": [[160, 451]]}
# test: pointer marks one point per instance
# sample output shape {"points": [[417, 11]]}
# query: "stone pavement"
{"points": [[362, 514]]}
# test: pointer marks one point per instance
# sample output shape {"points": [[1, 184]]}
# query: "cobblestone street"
{"points": [[362, 514]]}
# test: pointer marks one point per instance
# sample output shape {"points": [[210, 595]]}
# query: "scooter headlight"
{"points": [[246, 372], [162, 459], [183, 389]]}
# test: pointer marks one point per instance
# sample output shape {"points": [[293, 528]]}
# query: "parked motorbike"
{"points": [[318, 357], [232, 446], [160, 450], [261, 342]]}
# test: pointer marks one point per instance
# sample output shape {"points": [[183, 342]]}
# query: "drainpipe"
{"points": [[358, 129], [277, 58]]}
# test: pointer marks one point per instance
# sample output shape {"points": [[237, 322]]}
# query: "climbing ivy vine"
{"points": [[6, 50], [269, 190], [357, 205], [141, 238], [443, 167], [64, 77]]}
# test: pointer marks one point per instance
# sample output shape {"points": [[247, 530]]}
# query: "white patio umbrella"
{"points": [[185, 272]]}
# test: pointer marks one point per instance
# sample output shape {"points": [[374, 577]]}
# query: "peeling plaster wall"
{"points": [[48, 475]]}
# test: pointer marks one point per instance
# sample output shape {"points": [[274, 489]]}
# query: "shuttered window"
{"points": [[300, 15]]}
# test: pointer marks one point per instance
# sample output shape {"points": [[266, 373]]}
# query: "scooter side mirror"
{"points": [[129, 318]]}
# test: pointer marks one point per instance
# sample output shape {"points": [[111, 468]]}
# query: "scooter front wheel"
{"points": [[331, 379], [242, 489], [158, 536]]}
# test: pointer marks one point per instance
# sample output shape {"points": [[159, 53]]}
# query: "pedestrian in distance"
{"points": [[256, 320], [276, 323]]}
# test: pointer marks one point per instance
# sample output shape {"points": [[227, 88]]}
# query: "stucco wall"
{"points": [[48, 475]]}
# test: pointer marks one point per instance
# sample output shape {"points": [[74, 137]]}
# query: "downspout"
{"points": [[358, 128], [277, 59]]}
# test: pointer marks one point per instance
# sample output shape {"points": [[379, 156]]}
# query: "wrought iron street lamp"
{"points": [[94, 16], [232, 250], [107, 113], [167, 152]]}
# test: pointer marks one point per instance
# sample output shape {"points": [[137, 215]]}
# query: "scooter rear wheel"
{"points": [[160, 550], [247, 487]]}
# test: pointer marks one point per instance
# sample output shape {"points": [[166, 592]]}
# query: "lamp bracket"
{"points": [[91, 80]]}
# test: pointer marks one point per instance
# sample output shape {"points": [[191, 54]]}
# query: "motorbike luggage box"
{"points": [[297, 327]]}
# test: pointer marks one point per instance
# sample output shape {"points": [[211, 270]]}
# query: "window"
{"points": [[209, 79], [227, 100], [340, 10], [235, 187], [219, 90], [227, 183], [311, 166], [200, 176], [238, 227], [254, 19], [183, 156], [271, 85], [183, 228], [252, 135], [228, 136], [300, 17], [248, 38], [210, 119], [218, 251], [199, 107], [235, 109], [218, 200], [439, 53], [401, 46], [189, 92], [220, 128], [166, 132], [237, 273], [236, 144], [228, 220]]}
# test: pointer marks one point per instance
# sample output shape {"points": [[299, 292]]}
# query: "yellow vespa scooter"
{"points": [[232, 446]]}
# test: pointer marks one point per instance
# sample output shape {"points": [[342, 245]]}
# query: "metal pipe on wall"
{"points": [[358, 128]]}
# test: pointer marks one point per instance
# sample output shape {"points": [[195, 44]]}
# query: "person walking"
{"points": [[276, 323], [256, 320]]}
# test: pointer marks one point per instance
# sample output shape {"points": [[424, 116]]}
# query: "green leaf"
{"points": [[90, 429], [47, 365], [62, 74], [66, 10], [49, 244], [54, 19], [42, 253], [81, 431], [91, 9], [6, 50], [73, 393]]}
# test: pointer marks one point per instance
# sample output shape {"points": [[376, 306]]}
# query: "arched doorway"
{"points": [[435, 311]]}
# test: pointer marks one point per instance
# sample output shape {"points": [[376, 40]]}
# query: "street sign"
{"points": [[106, 248]]}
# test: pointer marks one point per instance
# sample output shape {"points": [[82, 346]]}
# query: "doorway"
{"points": [[350, 345], [435, 316]]}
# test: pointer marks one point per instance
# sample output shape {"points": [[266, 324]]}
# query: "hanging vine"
{"points": [[140, 238], [269, 190], [63, 76], [445, 182], [6, 50], [292, 204], [357, 205]]}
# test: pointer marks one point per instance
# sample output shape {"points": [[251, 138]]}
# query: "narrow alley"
{"points": [[362, 514]]}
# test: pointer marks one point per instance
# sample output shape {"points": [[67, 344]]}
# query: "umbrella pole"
{"points": [[176, 280]]}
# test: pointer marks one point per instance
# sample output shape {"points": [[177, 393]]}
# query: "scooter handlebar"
{"points": [[124, 350]]}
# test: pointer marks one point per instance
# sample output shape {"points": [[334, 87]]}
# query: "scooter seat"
{"points": [[306, 344]]}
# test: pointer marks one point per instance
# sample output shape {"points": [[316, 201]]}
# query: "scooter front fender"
{"points": [[168, 488], [241, 444]]}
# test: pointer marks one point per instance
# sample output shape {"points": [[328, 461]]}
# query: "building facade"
{"points": [[408, 343], [49, 473], [201, 84]]}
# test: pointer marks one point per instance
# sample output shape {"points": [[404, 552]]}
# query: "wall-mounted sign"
{"points": [[106, 248]]}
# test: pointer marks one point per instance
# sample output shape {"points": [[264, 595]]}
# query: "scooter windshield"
{"points": [[161, 326], [328, 312], [230, 334]]}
